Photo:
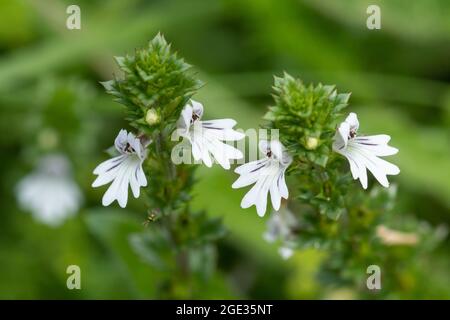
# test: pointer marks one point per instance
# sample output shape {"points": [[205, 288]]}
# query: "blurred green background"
{"points": [[399, 77]]}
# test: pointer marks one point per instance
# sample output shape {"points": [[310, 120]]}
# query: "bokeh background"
{"points": [[50, 96]]}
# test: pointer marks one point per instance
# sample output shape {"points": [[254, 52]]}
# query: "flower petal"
{"points": [[261, 201], [251, 196], [109, 165], [224, 134], [284, 192], [341, 136], [370, 163], [219, 124], [264, 146], [121, 140], [184, 123], [250, 166], [352, 120], [275, 196], [249, 178], [197, 108], [359, 166]]}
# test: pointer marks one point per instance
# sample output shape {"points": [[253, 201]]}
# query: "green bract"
{"points": [[306, 117], [153, 78]]}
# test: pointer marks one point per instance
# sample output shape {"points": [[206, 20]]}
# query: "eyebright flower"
{"points": [[268, 176], [281, 227], [206, 137], [363, 152], [50, 192], [123, 170]]}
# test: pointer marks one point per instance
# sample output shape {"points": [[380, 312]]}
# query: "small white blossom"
{"points": [[206, 137], [363, 152], [49, 192], [285, 252], [268, 176], [281, 227], [123, 171]]}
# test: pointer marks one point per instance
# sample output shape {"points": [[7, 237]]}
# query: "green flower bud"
{"points": [[152, 117], [311, 143]]}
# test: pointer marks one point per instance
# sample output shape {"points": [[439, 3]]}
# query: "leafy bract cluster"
{"points": [[155, 87], [306, 117]]}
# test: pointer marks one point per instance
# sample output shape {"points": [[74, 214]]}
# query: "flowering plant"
{"points": [[303, 170]]}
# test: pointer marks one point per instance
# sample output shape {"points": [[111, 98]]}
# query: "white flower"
{"points": [[206, 136], [363, 152], [285, 252], [281, 226], [268, 176], [123, 170], [49, 192]]}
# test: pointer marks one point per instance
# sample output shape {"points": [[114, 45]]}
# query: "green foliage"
{"points": [[154, 79], [306, 117]]}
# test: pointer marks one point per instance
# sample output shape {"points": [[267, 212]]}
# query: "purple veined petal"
{"points": [[110, 164], [251, 166], [375, 139], [245, 180], [219, 124], [378, 150], [105, 178], [250, 177]]}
